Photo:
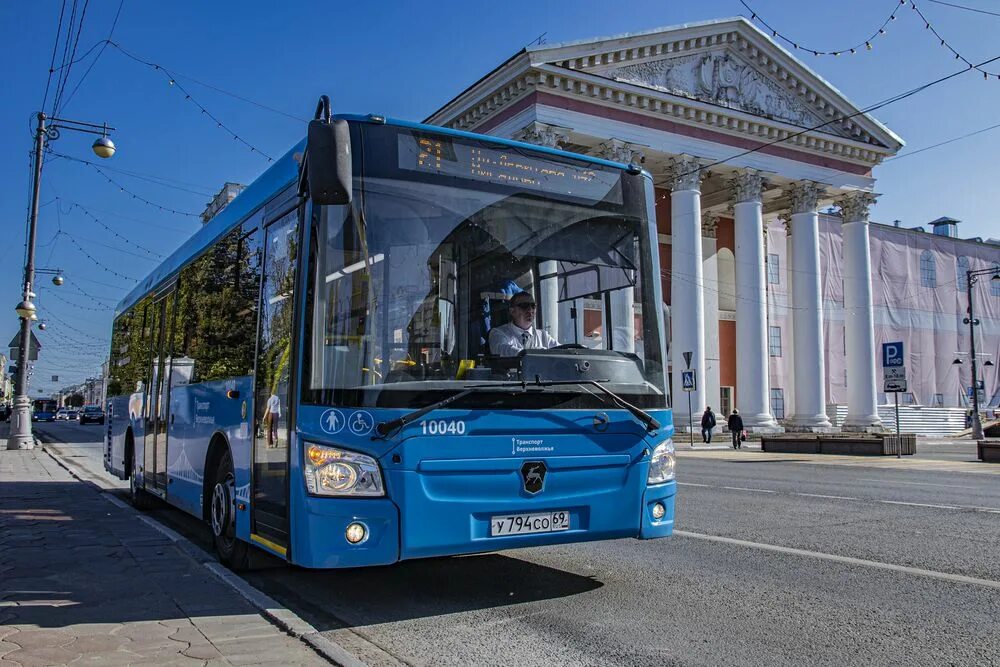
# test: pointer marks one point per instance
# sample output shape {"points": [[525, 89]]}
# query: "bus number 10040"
{"points": [[443, 427]]}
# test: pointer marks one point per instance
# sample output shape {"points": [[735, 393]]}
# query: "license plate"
{"points": [[524, 524]]}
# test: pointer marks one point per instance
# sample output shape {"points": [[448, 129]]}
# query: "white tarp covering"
{"points": [[924, 311]]}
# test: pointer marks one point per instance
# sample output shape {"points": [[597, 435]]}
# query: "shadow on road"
{"points": [[333, 599]]}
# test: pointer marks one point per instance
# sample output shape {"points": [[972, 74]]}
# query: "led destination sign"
{"points": [[446, 157]]}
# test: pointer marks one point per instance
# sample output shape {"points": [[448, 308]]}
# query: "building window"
{"points": [[774, 341], [778, 403], [928, 271], [725, 401], [907, 399], [961, 266], [773, 269], [939, 400]]}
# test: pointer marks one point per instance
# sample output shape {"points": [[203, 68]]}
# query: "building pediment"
{"points": [[725, 62], [724, 79], [719, 77]]}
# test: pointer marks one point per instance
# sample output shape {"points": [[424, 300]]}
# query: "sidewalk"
{"points": [[84, 581]]}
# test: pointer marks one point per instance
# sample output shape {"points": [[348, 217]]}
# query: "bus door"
{"points": [[158, 399], [272, 379]]}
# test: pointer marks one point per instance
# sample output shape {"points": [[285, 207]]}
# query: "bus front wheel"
{"points": [[232, 551]]}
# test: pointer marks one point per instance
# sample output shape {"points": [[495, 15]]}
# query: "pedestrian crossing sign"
{"points": [[688, 381]]}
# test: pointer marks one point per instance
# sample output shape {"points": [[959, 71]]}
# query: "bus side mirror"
{"points": [[328, 162]]}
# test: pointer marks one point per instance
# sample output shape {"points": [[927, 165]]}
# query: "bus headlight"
{"points": [[662, 463], [330, 471]]}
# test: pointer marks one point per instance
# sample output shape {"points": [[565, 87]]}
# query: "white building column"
{"points": [[687, 306], [710, 276], [808, 355], [859, 318], [788, 332], [753, 396]]}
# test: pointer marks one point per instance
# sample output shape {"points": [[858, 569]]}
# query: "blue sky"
{"points": [[403, 59]]}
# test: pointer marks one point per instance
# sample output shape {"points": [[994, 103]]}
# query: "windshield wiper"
{"points": [[383, 429]]}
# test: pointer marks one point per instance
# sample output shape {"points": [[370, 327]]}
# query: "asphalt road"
{"points": [[778, 560]]}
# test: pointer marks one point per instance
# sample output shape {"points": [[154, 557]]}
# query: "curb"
{"points": [[281, 617]]}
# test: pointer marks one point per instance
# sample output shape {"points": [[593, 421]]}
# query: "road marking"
{"points": [[890, 481], [847, 560], [823, 495], [961, 508]]}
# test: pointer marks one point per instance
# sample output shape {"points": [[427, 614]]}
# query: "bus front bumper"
{"points": [[459, 528]]}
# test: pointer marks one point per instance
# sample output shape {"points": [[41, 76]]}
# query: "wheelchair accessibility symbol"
{"points": [[361, 423], [332, 421]]}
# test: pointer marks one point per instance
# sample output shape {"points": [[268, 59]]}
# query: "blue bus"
{"points": [[312, 371]]}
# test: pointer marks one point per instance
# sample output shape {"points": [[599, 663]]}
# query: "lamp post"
{"points": [[21, 436], [971, 278]]}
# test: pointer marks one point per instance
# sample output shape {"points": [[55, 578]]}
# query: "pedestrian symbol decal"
{"points": [[332, 421]]}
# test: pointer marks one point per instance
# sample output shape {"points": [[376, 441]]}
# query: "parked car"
{"points": [[91, 414], [4, 413], [62, 414]]}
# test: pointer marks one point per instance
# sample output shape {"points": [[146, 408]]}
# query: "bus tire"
{"points": [[139, 497], [232, 551]]}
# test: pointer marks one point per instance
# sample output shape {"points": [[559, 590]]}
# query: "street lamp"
{"points": [[971, 278], [20, 435]]}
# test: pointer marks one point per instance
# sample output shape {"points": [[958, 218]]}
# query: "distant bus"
{"points": [[44, 410], [311, 372]]}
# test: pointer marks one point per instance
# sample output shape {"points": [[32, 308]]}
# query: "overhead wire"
{"points": [[52, 62], [104, 45], [968, 9]]}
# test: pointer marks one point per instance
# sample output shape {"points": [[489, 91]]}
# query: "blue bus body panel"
{"points": [[451, 485], [200, 412]]}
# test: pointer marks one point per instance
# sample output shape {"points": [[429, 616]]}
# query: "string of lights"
{"points": [[82, 292], [157, 180], [172, 80], [93, 217], [865, 45], [99, 308], [944, 43], [99, 339], [103, 245], [122, 188], [95, 261], [180, 75]]}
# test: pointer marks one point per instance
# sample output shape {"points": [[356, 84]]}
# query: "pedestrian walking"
{"points": [[735, 425], [707, 424]]}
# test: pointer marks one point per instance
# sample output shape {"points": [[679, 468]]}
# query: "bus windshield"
{"points": [[406, 284]]}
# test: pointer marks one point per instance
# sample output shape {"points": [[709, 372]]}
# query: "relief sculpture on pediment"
{"points": [[720, 78]]}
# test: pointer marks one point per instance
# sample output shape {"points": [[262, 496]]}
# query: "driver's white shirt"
{"points": [[508, 340]]}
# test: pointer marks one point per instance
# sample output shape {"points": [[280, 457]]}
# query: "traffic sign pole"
{"points": [[899, 444]]}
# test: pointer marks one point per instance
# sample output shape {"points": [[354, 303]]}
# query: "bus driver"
{"points": [[520, 333]]}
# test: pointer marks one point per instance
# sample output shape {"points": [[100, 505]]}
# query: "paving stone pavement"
{"points": [[85, 582]]}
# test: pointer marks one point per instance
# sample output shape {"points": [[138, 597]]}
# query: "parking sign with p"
{"points": [[892, 354]]}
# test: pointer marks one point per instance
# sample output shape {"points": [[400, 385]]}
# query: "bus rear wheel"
{"points": [[233, 552], [139, 497]]}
